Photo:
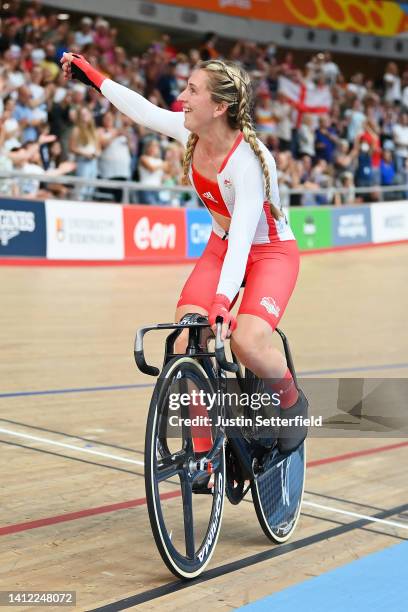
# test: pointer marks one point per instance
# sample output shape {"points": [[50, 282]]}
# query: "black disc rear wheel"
{"points": [[277, 493]]}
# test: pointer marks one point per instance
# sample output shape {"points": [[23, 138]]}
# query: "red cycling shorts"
{"points": [[270, 278]]}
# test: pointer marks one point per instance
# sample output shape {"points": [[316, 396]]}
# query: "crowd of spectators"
{"points": [[49, 127]]}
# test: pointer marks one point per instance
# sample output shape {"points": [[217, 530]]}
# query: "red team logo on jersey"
{"points": [[271, 306]]}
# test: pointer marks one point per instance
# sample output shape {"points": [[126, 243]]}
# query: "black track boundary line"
{"points": [[228, 568], [63, 433], [377, 532], [40, 450]]}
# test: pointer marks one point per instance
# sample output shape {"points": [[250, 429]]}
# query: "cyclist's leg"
{"points": [[271, 278]]}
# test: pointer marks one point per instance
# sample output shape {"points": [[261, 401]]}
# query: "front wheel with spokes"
{"points": [[184, 469]]}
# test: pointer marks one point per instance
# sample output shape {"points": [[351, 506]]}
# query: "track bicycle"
{"points": [[207, 463]]}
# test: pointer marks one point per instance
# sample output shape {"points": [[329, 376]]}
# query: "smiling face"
{"points": [[199, 108]]}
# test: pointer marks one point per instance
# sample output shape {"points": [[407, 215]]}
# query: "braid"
{"points": [[245, 123], [188, 155], [235, 88]]}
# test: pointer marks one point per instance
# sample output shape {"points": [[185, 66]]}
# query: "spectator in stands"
{"points": [[105, 40], [167, 84], [400, 134], [392, 84], [27, 159], [364, 170], [356, 86], [321, 177], [330, 69], [85, 145], [346, 182], [344, 158], [50, 62], [13, 72], [306, 137], [404, 95], [85, 35], [264, 115], [388, 171], [151, 171], [387, 121], [282, 111], [288, 178], [11, 132], [173, 174], [355, 120], [115, 160], [207, 49], [370, 135], [30, 119], [326, 139], [182, 70]]}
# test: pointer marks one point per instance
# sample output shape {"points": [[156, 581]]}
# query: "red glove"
{"points": [[83, 71], [220, 308]]}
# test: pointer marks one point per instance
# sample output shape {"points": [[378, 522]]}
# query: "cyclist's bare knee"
{"points": [[180, 344]]}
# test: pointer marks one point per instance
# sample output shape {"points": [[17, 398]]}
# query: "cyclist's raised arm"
{"points": [[127, 101]]}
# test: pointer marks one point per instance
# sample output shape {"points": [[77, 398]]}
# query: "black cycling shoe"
{"points": [[292, 436]]}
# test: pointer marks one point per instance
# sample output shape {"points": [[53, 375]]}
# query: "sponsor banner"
{"points": [[351, 225], [364, 16], [152, 232], [389, 221], [198, 231], [312, 227], [84, 231], [22, 228]]}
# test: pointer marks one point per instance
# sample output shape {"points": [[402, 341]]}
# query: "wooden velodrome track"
{"points": [[76, 520]]}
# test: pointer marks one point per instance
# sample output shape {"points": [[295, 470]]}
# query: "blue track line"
{"points": [[387, 366], [75, 390]]}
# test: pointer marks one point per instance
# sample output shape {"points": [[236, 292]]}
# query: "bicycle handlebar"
{"points": [[220, 353], [153, 371]]}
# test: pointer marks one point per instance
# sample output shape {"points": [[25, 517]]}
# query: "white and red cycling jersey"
{"points": [[237, 194]]}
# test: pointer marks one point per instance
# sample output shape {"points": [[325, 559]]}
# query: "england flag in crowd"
{"points": [[306, 97]]}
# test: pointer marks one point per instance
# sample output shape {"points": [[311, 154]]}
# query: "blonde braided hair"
{"points": [[188, 156], [231, 84]]}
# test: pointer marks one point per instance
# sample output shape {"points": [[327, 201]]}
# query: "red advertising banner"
{"points": [[378, 17], [153, 233]]}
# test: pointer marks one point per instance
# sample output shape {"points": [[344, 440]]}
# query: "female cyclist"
{"points": [[235, 176]]}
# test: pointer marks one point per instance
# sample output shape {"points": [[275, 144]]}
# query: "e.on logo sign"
{"points": [[158, 236], [154, 233]]}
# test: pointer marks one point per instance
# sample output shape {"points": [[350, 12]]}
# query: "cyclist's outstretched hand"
{"points": [[220, 308], [77, 67]]}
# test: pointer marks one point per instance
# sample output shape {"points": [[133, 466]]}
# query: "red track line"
{"points": [[71, 516], [352, 455], [42, 261]]}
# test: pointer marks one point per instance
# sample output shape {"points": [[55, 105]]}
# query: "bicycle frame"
{"points": [[197, 346]]}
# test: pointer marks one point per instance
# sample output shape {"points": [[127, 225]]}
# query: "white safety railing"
{"points": [[130, 189]]}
